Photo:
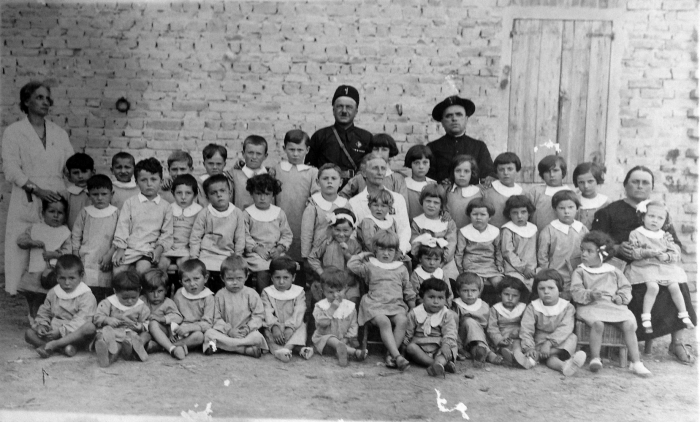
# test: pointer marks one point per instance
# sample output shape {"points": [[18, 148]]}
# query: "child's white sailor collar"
{"points": [[469, 308], [506, 191], [551, 190], [383, 224], [193, 209], [424, 275], [428, 320], [344, 309], [467, 191], [526, 231], [510, 314], [125, 185], [115, 302], [605, 268], [80, 289], [201, 295], [327, 205], [292, 293], [385, 265], [553, 310], [650, 234], [287, 166], [593, 203], [425, 223], [217, 213], [143, 199], [203, 177], [564, 228], [475, 235], [250, 172], [264, 216], [418, 186], [104, 212], [76, 190]]}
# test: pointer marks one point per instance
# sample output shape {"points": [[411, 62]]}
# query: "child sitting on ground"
{"points": [[125, 186], [587, 177], [185, 211], [479, 244], [285, 305], [429, 252], [546, 329], [418, 159], [81, 167], [93, 234], [503, 326], [238, 314], [145, 225], [122, 321], [381, 205], [519, 240], [389, 296], [196, 304], [64, 320], [431, 334], [507, 167], [254, 154], [164, 314], [336, 319], [552, 170]]}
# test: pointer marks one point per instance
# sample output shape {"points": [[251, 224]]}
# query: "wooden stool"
{"points": [[612, 338]]}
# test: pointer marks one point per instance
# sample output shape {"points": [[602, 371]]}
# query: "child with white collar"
{"points": [[122, 321], [519, 240], [464, 175], [93, 233], [587, 177], [80, 168], [552, 170], [196, 304], [214, 160], [123, 165], [267, 232], [254, 154], [184, 208], [559, 243], [418, 159], [479, 244], [430, 252], [503, 326], [507, 167], [473, 315], [381, 205]]}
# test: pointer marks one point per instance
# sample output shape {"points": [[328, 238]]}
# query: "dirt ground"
{"points": [[320, 389]]}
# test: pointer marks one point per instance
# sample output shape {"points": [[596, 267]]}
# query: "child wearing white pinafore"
{"points": [[507, 167], [464, 177], [552, 170], [418, 160], [185, 210], [519, 240], [380, 205], [479, 244]]}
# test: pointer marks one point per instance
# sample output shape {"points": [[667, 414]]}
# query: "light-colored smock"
{"points": [[267, 228], [92, 237], [432, 331], [541, 197], [314, 222], [611, 282], [196, 309], [143, 224], [646, 269], [519, 250], [360, 206], [66, 312], [183, 220], [504, 323], [217, 235], [559, 248], [136, 314], [586, 213], [413, 189], [555, 323], [479, 252], [457, 201], [370, 227], [243, 309], [285, 309], [439, 229], [341, 324], [497, 195], [473, 320], [56, 239], [166, 309]]}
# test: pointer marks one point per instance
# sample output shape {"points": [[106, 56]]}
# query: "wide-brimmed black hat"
{"points": [[468, 105]]}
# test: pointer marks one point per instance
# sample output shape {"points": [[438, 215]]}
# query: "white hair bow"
{"points": [[642, 206], [427, 240], [333, 219]]}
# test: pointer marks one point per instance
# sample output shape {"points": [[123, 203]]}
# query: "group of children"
{"points": [[255, 226]]}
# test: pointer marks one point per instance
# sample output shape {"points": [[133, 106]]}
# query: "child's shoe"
{"points": [[283, 354], [342, 352], [402, 363], [253, 351], [573, 363], [595, 365], [102, 351], [137, 346], [524, 361], [508, 357], [436, 370], [646, 323], [127, 349], [179, 352], [41, 350], [639, 369], [152, 347], [685, 318], [307, 352], [211, 348], [479, 355], [70, 351], [451, 367], [110, 338]]}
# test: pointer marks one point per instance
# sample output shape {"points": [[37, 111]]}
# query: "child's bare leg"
{"points": [[384, 324], [628, 329], [164, 263], [400, 322], [120, 269], [677, 298], [650, 297], [553, 361], [84, 333], [495, 281], [31, 337], [143, 265], [596, 338], [193, 340], [341, 350], [416, 354], [160, 336]]}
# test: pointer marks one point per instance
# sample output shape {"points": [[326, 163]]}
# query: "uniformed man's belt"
{"points": [[347, 174]]}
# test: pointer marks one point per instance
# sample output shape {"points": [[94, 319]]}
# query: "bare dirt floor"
{"points": [[243, 387]]}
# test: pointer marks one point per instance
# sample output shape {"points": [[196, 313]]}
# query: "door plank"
{"points": [[598, 86]]}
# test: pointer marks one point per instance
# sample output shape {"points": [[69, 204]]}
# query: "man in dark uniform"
{"points": [[453, 113], [343, 143]]}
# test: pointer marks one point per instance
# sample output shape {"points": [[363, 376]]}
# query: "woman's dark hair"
{"points": [[481, 203], [507, 158], [386, 141], [518, 201], [26, 93], [433, 284], [283, 263], [99, 181], [596, 170], [602, 241], [188, 180], [263, 183], [548, 162], [151, 165], [417, 152], [457, 161], [638, 168]]}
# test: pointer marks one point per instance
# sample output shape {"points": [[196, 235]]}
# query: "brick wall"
{"points": [[217, 71]]}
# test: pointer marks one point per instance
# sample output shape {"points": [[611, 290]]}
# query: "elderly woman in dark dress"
{"points": [[618, 219]]}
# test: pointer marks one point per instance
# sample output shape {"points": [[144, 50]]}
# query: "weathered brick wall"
{"points": [[217, 71]]}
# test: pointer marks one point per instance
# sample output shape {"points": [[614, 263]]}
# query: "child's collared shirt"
{"points": [[586, 213], [66, 312], [519, 249], [241, 198], [111, 308], [167, 309], [479, 252], [92, 237], [504, 323], [438, 328], [123, 191], [497, 195], [457, 201], [314, 224], [236, 310], [541, 197], [143, 224], [213, 233], [330, 254], [479, 311], [542, 323], [419, 275], [342, 323], [77, 199], [370, 226], [183, 220], [559, 248], [196, 309], [267, 228]]}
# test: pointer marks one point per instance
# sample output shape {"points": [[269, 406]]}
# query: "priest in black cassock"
{"points": [[453, 113]]}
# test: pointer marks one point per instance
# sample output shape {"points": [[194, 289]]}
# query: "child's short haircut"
{"points": [[329, 166], [99, 181], [425, 250], [263, 183], [344, 215], [255, 140], [189, 180], [192, 265], [45, 204], [126, 281], [518, 201], [432, 284], [417, 152], [233, 263], [295, 136], [80, 161], [481, 203], [457, 161], [596, 170], [123, 156], [507, 158], [386, 141], [69, 262], [216, 178], [565, 195], [283, 263], [604, 243], [548, 162], [213, 149], [385, 239], [510, 282], [383, 196], [153, 279], [180, 156], [334, 278], [548, 274], [151, 165], [465, 279], [433, 190]]}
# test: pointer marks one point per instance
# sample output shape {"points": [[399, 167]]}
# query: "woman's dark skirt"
{"points": [[664, 315]]}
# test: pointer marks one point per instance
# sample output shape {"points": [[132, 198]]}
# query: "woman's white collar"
{"points": [[605, 268], [526, 231], [650, 234], [510, 314], [220, 214], [286, 166], [327, 205], [475, 235], [551, 190], [466, 191], [593, 203], [553, 310], [193, 209], [115, 302], [385, 265], [418, 186], [80, 289], [344, 309], [264, 216], [469, 308], [204, 293], [424, 275], [425, 223], [506, 191], [104, 212], [564, 228], [292, 293]]}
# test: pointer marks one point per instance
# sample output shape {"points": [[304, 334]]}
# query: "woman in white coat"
{"points": [[34, 154]]}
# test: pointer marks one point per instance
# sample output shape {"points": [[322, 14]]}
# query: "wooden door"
{"points": [[560, 72]]}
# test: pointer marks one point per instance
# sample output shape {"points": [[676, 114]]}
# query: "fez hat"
{"points": [[451, 101], [346, 91]]}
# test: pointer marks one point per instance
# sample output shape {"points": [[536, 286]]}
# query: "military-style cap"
{"points": [[346, 91], [439, 109]]}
